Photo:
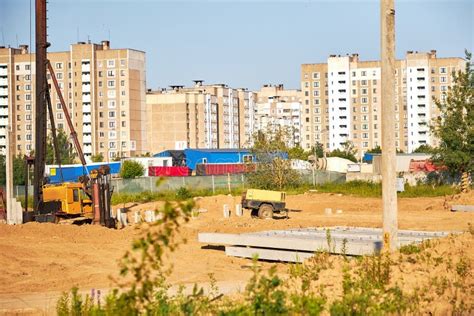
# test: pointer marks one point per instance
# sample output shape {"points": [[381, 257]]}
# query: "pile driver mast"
{"points": [[41, 89], [97, 185]]}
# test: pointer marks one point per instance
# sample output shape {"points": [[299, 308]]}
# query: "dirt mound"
{"points": [[39, 258]]}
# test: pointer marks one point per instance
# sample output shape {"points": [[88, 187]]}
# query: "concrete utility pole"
{"points": [[389, 184], [11, 213]]}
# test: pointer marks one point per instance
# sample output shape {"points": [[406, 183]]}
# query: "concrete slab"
{"points": [[348, 240], [462, 208], [268, 254]]}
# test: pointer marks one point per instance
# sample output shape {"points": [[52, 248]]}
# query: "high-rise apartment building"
{"points": [[276, 108], [104, 90], [202, 116], [341, 100]]}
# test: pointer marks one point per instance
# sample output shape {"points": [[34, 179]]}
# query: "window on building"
{"points": [[363, 100], [59, 75], [122, 73], [111, 73], [27, 67], [442, 70], [363, 73], [28, 97], [111, 83], [123, 62], [111, 114], [110, 63], [112, 124], [59, 65]]}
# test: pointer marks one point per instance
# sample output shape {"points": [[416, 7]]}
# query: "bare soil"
{"points": [[37, 259]]}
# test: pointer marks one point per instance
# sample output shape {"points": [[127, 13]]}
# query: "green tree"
{"points": [[131, 169], [18, 170], [318, 150], [347, 152], [455, 126], [272, 171], [66, 150], [97, 158], [425, 149], [375, 150], [298, 153]]}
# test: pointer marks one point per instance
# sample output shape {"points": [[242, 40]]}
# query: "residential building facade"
{"points": [[278, 108], [202, 116], [104, 90], [342, 100]]}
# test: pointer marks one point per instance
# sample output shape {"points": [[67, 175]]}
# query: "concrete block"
{"points": [[226, 211], [462, 208], [238, 210]]}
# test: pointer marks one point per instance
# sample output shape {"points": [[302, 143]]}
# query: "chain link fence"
{"points": [[228, 182]]}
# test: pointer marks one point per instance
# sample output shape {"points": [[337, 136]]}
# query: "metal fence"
{"points": [[227, 182]]}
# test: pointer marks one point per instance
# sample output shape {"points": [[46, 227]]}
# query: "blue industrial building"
{"points": [[71, 173], [191, 157]]}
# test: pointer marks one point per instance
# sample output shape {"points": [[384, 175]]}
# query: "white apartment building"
{"points": [[279, 108], [341, 100], [104, 90]]}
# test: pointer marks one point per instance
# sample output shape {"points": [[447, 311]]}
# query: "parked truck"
{"points": [[264, 203]]}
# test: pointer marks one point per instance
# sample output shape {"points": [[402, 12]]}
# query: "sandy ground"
{"points": [[38, 261]]}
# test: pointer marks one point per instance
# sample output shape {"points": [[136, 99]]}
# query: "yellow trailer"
{"points": [[264, 203]]}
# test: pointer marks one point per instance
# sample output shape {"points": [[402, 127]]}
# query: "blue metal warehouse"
{"points": [[192, 157], [72, 173]]}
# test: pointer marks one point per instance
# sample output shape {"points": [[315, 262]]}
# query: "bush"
{"points": [[131, 169], [183, 194]]}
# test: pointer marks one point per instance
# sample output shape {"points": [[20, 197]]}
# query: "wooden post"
{"points": [[389, 189]]}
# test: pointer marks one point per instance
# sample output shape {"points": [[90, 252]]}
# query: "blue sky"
{"points": [[243, 43]]}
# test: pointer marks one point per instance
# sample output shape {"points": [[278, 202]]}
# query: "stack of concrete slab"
{"points": [[296, 245]]}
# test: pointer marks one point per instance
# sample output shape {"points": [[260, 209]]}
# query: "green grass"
{"points": [[356, 188], [167, 195], [370, 189], [353, 188]]}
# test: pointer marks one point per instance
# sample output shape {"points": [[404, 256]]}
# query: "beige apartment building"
{"points": [[277, 107], [341, 100], [104, 90], [202, 116]]}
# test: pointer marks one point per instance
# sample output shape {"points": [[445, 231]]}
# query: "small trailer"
{"points": [[264, 203]]}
